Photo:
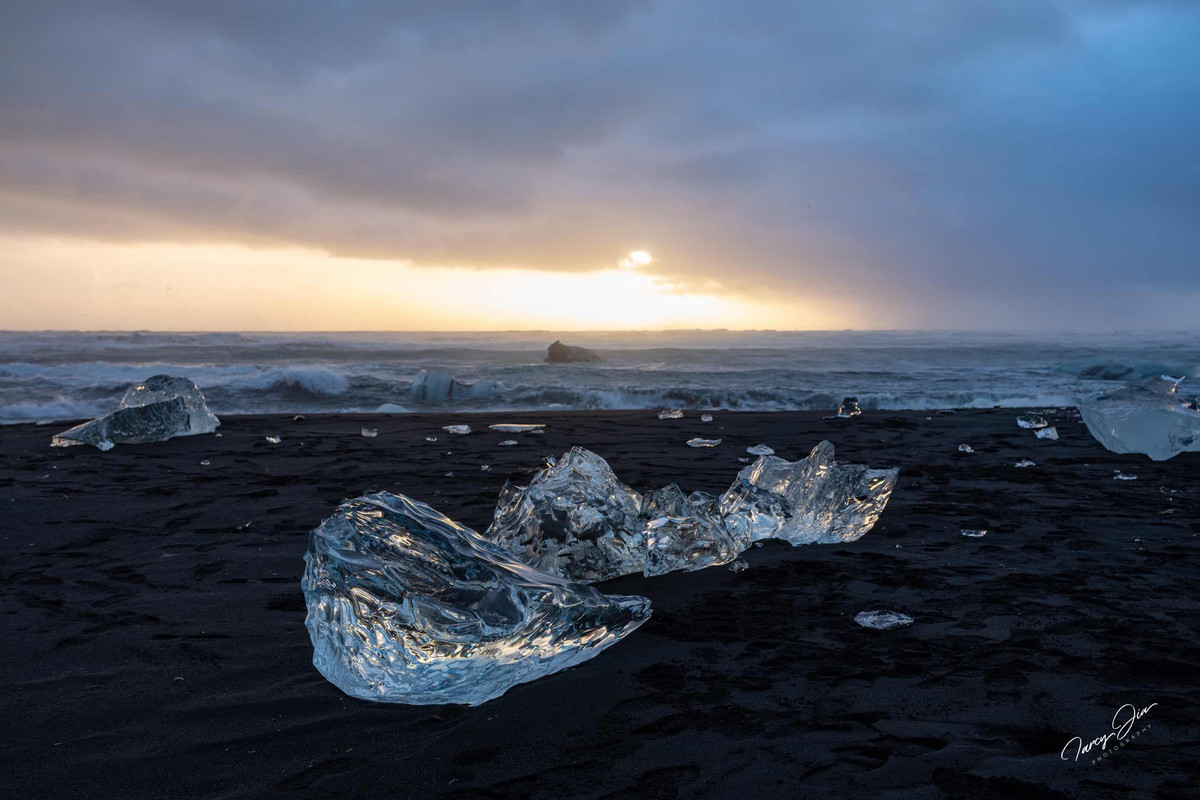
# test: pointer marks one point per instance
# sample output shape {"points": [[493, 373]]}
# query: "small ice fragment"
{"points": [[274, 439], [507, 443], [883, 620], [408, 606], [965, 448], [1031, 421], [298, 418], [457, 429], [244, 527], [849, 408], [205, 463], [431, 438], [744, 460], [1122, 476], [739, 565], [1047, 433], [449, 474], [698, 442], [973, 534], [218, 435], [485, 468], [760, 450], [671, 413], [706, 417], [518, 428], [1025, 462], [370, 433]]}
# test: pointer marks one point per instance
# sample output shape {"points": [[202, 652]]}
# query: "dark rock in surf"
{"points": [[559, 353]]}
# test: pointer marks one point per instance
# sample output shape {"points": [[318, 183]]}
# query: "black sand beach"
{"points": [[154, 642]]}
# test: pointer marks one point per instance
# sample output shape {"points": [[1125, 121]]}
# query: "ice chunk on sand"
{"points": [[1153, 417], [1025, 462], [518, 428], [686, 533], [760, 450], [1124, 476], [1047, 433], [706, 417], [849, 408], [966, 448], [739, 565], [671, 413], [575, 519], [698, 442], [274, 439], [826, 501], [507, 443], [154, 410], [370, 433], [408, 606], [883, 620], [461, 430], [1031, 421], [973, 533]]}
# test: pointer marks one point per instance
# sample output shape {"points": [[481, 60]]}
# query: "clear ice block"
{"points": [[1154, 417], [407, 606], [154, 410], [575, 519], [686, 533]]}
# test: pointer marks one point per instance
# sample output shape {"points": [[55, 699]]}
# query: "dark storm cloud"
{"points": [[930, 148]]}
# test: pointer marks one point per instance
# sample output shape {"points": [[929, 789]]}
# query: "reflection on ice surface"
{"points": [[408, 606]]}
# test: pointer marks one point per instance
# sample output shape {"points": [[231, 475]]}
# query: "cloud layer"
{"points": [[938, 153]]}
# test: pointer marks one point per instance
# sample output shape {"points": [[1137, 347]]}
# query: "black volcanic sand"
{"points": [[154, 641]]}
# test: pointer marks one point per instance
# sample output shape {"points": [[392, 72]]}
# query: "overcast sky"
{"points": [[944, 163]]}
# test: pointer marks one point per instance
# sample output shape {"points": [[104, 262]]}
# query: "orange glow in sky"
{"points": [[87, 285]]}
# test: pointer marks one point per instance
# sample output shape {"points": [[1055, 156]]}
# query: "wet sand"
{"points": [[154, 640]]}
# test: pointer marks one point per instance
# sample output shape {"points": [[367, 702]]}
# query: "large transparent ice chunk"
{"points": [[154, 410], [686, 533], [1154, 417], [826, 501], [407, 606], [575, 519]]}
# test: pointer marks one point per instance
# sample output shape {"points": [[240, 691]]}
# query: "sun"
{"points": [[638, 258]]}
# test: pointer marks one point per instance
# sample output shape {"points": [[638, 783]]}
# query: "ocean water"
{"points": [[69, 375]]}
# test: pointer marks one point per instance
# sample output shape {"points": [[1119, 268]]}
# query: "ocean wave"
{"points": [[311, 380]]}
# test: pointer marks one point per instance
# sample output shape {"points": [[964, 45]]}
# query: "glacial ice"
{"points": [[577, 520], [826, 501], [1154, 417], [973, 533], [966, 448], [439, 386], [761, 450], [461, 430], [157, 409], [849, 408], [1031, 421], [507, 443], [883, 620], [706, 417], [274, 439], [698, 442], [518, 428], [1047, 433], [671, 413], [407, 606], [1025, 462], [370, 433], [739, 565], [686, 533]]}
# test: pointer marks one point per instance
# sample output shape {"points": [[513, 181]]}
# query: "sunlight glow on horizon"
{"points": [[191, 287]]}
